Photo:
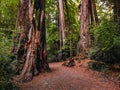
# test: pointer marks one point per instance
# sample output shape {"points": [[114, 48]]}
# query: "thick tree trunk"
{"points": [[24, 25], [34, 55], [84, 40], [61, 26], [88, 15]]}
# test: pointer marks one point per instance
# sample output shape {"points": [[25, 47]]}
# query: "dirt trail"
{"points": [[69, 78]]}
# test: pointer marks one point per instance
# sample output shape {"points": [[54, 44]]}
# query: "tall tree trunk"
{"points": [[24, 25], [88, 15], [61, 26], [34, 55], [93, 16], [93, 11], [71, 61], [84, 40]]}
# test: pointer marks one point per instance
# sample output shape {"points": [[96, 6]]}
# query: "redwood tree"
{"points": [[32, 41], [88, 15], [61, 26]]}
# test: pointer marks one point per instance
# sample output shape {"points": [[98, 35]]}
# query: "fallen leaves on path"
{"points": [[69, 78]]}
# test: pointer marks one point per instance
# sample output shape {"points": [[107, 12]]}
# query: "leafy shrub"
{"points": [[106, 43], [5, 64], [101, 67]]}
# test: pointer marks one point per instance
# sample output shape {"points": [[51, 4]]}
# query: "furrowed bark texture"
{"points": [[88, 15], [24, 25], [32, 23], [84, 40]]}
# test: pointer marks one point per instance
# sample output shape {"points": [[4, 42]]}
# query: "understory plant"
{"points": [[106, 41]]}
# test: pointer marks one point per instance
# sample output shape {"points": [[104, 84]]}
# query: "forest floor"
{"points": [[70, 78]]}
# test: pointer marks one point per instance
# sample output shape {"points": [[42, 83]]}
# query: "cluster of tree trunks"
{"points": [[32, 41], [31, 50], [88, 15]]}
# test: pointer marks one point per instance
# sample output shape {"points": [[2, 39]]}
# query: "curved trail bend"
{"points": [[69, 78]]}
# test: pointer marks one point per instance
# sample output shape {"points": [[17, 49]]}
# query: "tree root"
{"points": [[70, 63]]}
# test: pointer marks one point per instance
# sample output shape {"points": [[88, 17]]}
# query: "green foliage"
{"points": [[101, 67], [52, 33], [52, 27], [8, 14], [72, 24], [5, 64], [104, 9], [106, 35], [105, 41]]}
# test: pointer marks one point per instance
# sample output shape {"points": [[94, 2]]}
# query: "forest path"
{"points": [[69, 78]]}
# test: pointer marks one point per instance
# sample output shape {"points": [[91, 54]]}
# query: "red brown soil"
{"points": [[70, 78]]}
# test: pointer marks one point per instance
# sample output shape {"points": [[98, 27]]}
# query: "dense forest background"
{"points": [[104, 34]]}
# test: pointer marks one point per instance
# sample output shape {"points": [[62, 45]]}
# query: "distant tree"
{"points": [[93, 12], [61, 26], [71, 61]]}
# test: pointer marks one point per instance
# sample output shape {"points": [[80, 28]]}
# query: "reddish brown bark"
{"points": [[88, 15], [34, 56], [61, 21], [84, 40], [23, 23]]}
